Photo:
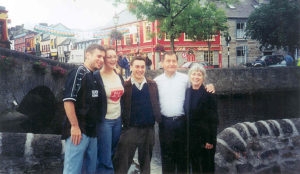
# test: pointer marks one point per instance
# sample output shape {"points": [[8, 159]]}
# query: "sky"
{"points": [[82, 15]]}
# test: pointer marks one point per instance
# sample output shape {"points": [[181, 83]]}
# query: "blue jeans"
{"points": [[74, 156], [108, 132]]}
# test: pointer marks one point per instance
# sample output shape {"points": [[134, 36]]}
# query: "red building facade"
{"points": [[30, 43], [20, 42], [144, 40]]}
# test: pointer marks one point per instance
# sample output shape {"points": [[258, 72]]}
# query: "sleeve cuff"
{"points": [[69, 99]]}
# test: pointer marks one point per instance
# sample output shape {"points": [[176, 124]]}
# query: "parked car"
{"points": [[188, 65], [268, 60]]}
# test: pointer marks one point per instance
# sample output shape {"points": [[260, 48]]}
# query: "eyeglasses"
{"points": [[110, 57]]}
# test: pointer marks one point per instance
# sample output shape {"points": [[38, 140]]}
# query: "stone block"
{"points": [[46, 146], [271, 170], [13, 144], [244, 168]]}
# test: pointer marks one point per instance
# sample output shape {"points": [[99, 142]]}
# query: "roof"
{"points": [[59, 26], [45, 37], [125, 17], [243, 9], [67, 42]]}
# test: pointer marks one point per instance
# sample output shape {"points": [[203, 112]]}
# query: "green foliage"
{"points": [[276, 24], [205, 21], [177, 16], [116, 35], [40, 67]]}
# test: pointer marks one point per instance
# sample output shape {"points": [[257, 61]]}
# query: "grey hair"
{"points": [[197, 67]]}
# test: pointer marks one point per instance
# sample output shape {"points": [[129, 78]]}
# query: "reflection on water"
{"points": [[237, 108]]}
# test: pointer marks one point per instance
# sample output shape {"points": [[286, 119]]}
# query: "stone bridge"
{"points": [[30, 90]]}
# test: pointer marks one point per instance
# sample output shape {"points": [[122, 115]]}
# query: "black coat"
{"points": [[203, 120]]}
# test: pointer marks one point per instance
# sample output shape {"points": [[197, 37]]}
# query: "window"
{"points": [[127, 40], [209, 58], [134, 38], [147, 31], [241, 55], [52, 44], [240, 30], [186, 37]]}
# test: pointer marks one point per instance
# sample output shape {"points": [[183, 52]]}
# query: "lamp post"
{"points": [[228, 39], [138, 38], [116, 20]]}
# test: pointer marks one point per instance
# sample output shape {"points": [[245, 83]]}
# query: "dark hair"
{"points": [[93, 47], [137, 58], [169, 53]]}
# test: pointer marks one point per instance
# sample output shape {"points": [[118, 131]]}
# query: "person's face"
{"points": [[196, 78], [170, 64], [110, 59], [95, 59], [138, 69]]}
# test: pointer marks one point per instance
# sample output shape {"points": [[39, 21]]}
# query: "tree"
{"points": [[276, 24], [205, 22], [171, 14]]}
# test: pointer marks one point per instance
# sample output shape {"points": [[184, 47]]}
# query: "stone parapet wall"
{"points": [[33, 58], [250, 80], [271, 146]]}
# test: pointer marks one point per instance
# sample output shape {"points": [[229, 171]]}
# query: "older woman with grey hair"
{"points": [[202, 119]]}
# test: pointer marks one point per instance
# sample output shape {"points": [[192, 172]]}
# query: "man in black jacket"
{"points": [[81, 99]]}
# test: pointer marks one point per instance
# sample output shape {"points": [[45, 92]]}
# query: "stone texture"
{"points": [[13, 144], [264, 153], [46, 145]]}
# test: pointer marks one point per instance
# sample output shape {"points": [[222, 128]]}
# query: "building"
{"points": [[64, 49], [3, 28], [77, 53], [30, 43], [50, 37], [20, 42], [45, 45], [241, 48], [137, 39], [56, 39]]}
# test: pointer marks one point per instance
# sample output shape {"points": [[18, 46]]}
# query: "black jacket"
{"points": [[103, 107], [203, 120]]}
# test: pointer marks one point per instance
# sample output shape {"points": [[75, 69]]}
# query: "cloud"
{"points": [[78, 14]]}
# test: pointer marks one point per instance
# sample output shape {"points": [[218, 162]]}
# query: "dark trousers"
{"points": [[130, 140], [173, 145], [202, 162]]}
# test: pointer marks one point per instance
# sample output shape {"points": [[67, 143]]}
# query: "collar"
{"points": [[138, 85], [171, 76]]}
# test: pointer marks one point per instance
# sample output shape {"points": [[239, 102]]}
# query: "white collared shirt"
{"points": [[171, 91], [138, 85]]}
